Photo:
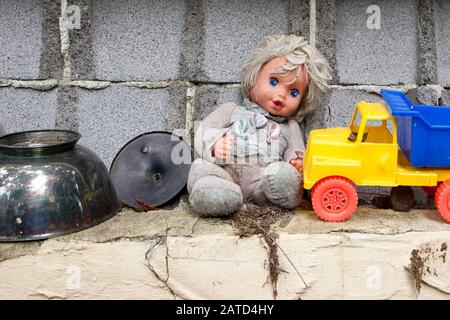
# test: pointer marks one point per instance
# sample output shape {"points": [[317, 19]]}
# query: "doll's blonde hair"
{"points": [[298, 52]]}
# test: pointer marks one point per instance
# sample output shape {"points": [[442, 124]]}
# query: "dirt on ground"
{"points": [[252, 219], [426, 261], [256, 220], [416, 267]]}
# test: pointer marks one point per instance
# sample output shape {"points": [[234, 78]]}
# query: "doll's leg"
{"points": [[251, 185], [282, 184], [201, 168], [212, 191]]}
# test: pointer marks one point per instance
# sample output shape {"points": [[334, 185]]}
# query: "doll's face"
{"points": [[280, 96]]}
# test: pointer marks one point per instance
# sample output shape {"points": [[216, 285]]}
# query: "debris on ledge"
{"points": [[173, 254]]}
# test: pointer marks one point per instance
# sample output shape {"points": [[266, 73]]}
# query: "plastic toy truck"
{"points": [[392, 144]]}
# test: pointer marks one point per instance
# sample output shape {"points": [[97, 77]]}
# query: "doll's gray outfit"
{"points": [[258, 168]]}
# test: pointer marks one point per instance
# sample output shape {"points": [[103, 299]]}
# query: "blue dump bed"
{"points": [[423, 131]]}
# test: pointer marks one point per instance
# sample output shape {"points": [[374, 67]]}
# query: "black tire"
{"points": [[402, 198]]}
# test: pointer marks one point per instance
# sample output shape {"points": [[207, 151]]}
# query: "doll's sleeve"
{"points": [[211, 129], [296, 146]]}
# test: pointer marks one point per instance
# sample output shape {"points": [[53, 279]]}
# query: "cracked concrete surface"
{"points": [[148, 255], [172, 254]]}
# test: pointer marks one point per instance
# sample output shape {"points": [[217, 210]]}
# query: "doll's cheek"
{"points": [[258, 100], [253, 95]]}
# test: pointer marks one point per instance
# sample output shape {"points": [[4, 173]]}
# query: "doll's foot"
{"points": [[214, 196], [282, 185]]}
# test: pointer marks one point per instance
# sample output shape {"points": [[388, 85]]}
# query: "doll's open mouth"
{"points": [[277, 104]]}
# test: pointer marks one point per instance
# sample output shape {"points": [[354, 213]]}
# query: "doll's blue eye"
{"points": [[294, 93], [273, 81]]}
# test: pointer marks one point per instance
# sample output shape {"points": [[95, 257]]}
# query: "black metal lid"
{"points": [[38, 142], [151, 169]]}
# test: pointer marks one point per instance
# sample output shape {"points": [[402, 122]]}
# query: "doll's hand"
{"points": [[297, 164], [222, 148]]}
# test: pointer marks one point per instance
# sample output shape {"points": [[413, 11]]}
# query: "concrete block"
{"points": [[109, 118], [21, 38], [131, 40], [192, 53], [25, 109], [445, 98], [363, 257], [209, 97], [427, 66], [325, 35], [66, 115], [442, 24], [117, 273], [51, 61], [80, 49], [299, 12], [232, 31], [424, 95], [367, 55]]}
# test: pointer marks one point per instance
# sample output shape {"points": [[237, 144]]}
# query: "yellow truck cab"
{"points": [[365, 153]]}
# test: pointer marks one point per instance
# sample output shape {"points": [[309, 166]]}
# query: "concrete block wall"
{"points": [[114, 69]]}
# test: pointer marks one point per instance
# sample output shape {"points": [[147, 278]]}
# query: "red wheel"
{"points": [[334, 199], [442, 200]]}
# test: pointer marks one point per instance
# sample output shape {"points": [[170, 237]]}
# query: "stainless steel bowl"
{"points": [[50, 186]]}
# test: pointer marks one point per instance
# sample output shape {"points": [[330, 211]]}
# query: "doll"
{"points": [[254, 152]]}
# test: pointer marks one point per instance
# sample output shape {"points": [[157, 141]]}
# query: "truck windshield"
{"points": [[354, 125], [374, 131]]}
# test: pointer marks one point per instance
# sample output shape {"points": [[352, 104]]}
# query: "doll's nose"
{"points": [[281, 95]]}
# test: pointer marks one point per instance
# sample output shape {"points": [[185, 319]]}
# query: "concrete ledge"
{"points": [[172, 254]]}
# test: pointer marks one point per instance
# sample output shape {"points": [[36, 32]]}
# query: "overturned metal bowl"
{"points": [[50, 186]]}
